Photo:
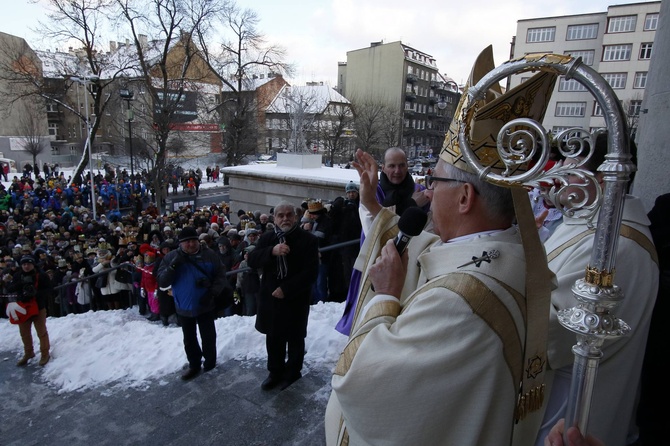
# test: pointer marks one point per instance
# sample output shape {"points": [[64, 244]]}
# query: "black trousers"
{"points": [[205, 323], [278, 365]]}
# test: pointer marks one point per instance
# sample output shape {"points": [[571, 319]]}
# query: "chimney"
{"points": [[112, 46], [143, 40]]}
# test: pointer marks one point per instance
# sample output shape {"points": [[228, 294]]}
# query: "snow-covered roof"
{"points": [[315, 98], [250, 84], [56, 64]]}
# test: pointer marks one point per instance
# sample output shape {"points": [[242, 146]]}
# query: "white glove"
{"points": [[143, 292], [13, 308]]}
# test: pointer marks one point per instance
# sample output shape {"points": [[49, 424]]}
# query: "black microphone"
{"points": [[411, 223]]}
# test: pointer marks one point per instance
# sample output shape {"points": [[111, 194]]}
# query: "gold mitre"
{"points": [[483, 122], [485, 119]]}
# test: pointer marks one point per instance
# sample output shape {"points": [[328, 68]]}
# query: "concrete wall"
{"points": [[653, 138], [261, 187]]}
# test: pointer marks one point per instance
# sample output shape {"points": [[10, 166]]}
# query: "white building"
{"points": [[617, 43]]}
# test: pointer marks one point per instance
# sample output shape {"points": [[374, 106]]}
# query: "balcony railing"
{"points": [[412, 78]]}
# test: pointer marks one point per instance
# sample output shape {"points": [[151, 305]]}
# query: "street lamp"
{"points": [[85, 81], [127, 95]]}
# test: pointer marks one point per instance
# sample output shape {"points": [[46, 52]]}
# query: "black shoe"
{"points": [[165, 321], [190, 374], [270, 382], [154, 317], [208, 367], [286, 383]]}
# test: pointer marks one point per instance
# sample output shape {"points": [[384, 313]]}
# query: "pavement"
{"points": [[224, 406]]}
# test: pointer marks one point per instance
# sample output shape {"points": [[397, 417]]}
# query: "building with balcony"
{"points": [[617, 43], [409, 82]]}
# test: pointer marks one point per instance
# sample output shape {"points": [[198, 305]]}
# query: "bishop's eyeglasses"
{"points": [[430, 181]]}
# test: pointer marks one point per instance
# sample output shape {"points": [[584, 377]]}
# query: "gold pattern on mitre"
{"points": [[487, 116]]}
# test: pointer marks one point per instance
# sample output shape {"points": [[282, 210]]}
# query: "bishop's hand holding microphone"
{"points": [[391, 265]]}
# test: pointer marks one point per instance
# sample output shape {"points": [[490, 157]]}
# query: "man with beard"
{"points": [[289, 259]]}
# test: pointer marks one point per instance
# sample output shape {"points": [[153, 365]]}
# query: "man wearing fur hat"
{"points": [[318, 222], [29, 286], [197, 278]]}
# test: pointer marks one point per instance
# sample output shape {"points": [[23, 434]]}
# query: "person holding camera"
{"points": [[29, 290], [197, 278]]}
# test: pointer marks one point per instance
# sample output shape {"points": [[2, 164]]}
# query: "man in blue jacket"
{"points": [[197, 278]]}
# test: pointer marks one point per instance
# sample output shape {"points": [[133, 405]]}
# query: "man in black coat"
{"points": [[289, 258]]}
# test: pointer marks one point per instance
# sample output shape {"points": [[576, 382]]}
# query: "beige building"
{"points": [[408, 80], [617, 43], [22, 120]]}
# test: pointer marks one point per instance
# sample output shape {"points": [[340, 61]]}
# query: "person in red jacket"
{"points": [[148, 283]]}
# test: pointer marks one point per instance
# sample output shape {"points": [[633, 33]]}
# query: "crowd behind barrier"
{"points": [[48, 216]]}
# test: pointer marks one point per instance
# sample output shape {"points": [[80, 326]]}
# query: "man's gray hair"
{"points": [[284, 204], [498, 199]]}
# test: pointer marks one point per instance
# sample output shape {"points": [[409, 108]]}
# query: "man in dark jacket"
{"points": [[289, 259], [197, 278]]}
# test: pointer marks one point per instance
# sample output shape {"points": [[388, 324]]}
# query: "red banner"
{"points": [[183, 127]]}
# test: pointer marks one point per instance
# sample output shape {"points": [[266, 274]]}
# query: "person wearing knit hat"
{"points": [[29, 291], [198, 282], [148, 285], [470, 277]]}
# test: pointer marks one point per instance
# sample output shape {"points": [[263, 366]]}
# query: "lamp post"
{"points": [[85, 81], [127, 95]]}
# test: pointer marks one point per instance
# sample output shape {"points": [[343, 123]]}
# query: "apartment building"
{"points": [[617, 43], [408, 80]]}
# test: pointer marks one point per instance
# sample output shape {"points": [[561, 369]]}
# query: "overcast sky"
{"points": [[318, 33]]}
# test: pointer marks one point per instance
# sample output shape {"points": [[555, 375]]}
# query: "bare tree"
{"points": [[338, 124], [31, 129], [377, 124], [633, 108], [169, 65], [301, 109], [78, 21], [240, 56]]}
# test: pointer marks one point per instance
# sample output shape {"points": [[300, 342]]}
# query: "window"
{"points": [[53, 128], [558, 129], [52, 106], [541, 34], [597, 109], [616, 80], [640, 80], [623, 24], [586, 55], [645, 51], [570, 85], [570, 108], [651, 22], [582, 32], [634, 108], [617, 52]]}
